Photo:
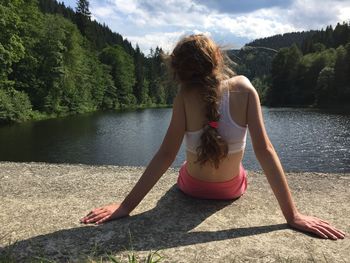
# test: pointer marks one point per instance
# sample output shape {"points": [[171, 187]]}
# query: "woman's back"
{"points": [[195, 119]]}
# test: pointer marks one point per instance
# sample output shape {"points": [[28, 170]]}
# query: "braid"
{"points": [[213, 147]]}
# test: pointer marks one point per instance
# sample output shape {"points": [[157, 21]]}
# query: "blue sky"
{"points": [[231, 23]]}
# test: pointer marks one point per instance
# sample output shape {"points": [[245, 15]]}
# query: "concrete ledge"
{"points": [[41, 205]]}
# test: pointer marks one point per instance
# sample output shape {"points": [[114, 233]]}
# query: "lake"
{"points": [[305, 140]]}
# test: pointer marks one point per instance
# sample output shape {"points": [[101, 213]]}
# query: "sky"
{"points": [[231, 23]]}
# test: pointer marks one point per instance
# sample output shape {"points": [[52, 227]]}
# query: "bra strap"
{"points": [[223, 104]]}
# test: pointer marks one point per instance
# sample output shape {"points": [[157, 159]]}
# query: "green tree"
{"points": [[284, 68], [325, 93], [25, 71], [123, 73], [83, 15], [341, 72], [110, 96], [139, 87], [14, 105], [73, 80], [262, 85], [318, 47], [156, 75], [11, 44], [48, 96]]}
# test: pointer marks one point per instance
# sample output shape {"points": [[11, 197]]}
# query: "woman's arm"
{"points": [[156, 168], [273, 170]]}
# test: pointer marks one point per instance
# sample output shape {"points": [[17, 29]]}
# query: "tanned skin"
{"points": [[264, 151]]}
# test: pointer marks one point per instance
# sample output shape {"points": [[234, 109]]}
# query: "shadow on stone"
{"points": [[167, 225]]}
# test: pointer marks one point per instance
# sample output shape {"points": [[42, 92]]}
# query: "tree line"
{"points": [[312, 71], [317, 73], [282, 40], [254, 60], [56, 61]]}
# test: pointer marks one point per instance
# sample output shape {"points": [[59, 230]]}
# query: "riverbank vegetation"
{"points": [[312, 70], [56, 61]]}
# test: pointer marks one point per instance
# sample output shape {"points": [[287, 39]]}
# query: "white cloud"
{"points": [[261, 23], [153, 23], [315, 14], [103, 11], [165, 40], [126, 7], [344, 13]]}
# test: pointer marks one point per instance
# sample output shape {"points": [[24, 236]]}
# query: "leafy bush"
{"points": [[14, 106]]}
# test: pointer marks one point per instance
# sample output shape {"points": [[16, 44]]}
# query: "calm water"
{"points": [[305, 140]]}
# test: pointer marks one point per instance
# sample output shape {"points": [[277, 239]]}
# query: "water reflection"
{"points": [[306, 140]]}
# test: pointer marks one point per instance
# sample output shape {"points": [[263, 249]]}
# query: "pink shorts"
{"points": [[231, 189]]}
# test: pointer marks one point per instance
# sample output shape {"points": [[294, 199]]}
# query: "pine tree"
{"points": [[83, 15], [83, 8], [138, 89]]}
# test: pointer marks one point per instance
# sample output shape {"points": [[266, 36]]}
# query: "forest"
{"points": [[56, 61], [313, 70]]}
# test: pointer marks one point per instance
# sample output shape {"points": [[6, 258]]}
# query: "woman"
{"points": [[213, 112]]}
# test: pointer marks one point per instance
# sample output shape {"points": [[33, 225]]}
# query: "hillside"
{"points": [[282, 40], [301, 68]]}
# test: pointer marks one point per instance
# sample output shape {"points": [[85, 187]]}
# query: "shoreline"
{"points": [[42, 116], [333, 110], [42, 204]]}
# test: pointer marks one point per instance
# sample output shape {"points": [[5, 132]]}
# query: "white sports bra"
{"points": [[234, 134]]}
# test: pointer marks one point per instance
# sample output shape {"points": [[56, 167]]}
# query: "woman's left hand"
{"points": [[317, 226], [105, 213]]}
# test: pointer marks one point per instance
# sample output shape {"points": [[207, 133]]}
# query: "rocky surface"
{"points": [[41, 205]]}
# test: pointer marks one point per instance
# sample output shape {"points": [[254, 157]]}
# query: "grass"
{"points": [[152, 257], [97, 255]]}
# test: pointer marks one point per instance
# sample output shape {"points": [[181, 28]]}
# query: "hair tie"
{"points": [[213, 124]]}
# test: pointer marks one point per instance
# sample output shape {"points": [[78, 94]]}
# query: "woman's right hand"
{"points": [[105, 213]]}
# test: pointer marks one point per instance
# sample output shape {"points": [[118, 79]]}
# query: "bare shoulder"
{"points": [[241, 84]]}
